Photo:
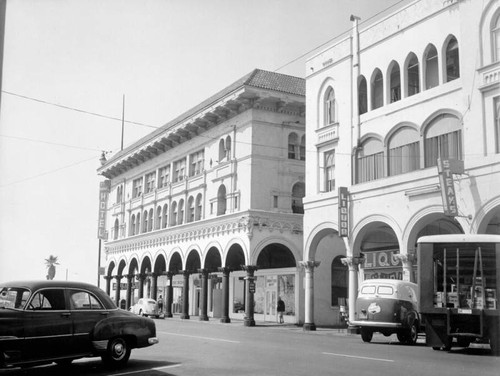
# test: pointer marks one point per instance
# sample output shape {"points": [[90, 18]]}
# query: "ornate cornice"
{"points": [[243, 224]]}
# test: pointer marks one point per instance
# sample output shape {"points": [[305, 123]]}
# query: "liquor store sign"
{"points": [[381, 259]]}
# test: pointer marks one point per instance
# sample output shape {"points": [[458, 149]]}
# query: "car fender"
{"points": [[139, 329]]}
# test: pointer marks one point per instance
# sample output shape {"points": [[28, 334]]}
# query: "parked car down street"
{"points": [[145, 307], [388, 306], [59, 321]]}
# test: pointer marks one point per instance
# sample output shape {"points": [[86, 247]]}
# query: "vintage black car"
{"points": [[59, 321]]}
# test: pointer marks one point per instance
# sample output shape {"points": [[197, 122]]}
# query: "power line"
{"points": [[337, 36], [47, 172], [77, 109], [49, 142]]}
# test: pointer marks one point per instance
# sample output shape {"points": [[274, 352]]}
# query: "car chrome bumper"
{"points": [[153, 340], [376, 324]]}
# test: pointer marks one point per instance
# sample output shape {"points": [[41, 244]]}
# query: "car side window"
{"points": [[83, 300], [50, 299]]}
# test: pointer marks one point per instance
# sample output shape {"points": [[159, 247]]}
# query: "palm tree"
{"points": [[51, 263]]}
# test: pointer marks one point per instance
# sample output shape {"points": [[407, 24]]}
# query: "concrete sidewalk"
{"points": [[262, 324]]}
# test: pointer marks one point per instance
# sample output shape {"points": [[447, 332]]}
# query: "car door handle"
{"points": [[66, 314], [104, 313]]}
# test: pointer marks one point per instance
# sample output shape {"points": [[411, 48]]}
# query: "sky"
{"points": [[68, 67]]}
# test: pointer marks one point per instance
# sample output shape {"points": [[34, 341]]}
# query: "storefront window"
{"points": [[286, 291], [239, 295]]}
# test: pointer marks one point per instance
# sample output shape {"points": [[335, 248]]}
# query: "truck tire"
{"points": [[366, 335]]}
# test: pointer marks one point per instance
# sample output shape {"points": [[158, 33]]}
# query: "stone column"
{"points": [[185, 295], [169, 295], [250, 269], [154, 285], [407, 260], [204, 294], [118, 278], [352, 263], [130, 281], [309, 287], [225, 295], [142, 277], [108, 284]]}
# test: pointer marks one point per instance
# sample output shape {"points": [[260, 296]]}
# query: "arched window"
{"points": [[303, 148], [165, 216], [173, 214], [119, 194], [115, 229], [329, 105], [180, 219], [395, 83], [221, 200], [413, 75], [298, 193], [137, 224], [431, 68], [362, 95], [150, 224], [293, 152], [339, 278], [495, 36], [370, 161], [443, 139], [228, 147], [497, 124], [452, 60], [132, 226], [198, 207], [222, 150], [404, 151], [158, 218], [377, 86], [190, 210], [145, 221]]}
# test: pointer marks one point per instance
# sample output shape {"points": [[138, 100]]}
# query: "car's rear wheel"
{"points": [[117, 353], [366, 335]]}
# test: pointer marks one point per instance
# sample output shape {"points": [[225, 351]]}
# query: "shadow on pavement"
{"points": [[94, 367]]}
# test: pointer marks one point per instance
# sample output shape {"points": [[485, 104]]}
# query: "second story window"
{"points": [[495, 33], [443, 139], [370, 161], [293, 147], [179, 170], [150, 182], [196, 163], [137, 188], [164, 176], [298, 194], [330, 171]]}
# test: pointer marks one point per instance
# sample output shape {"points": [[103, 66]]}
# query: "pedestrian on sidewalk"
{"points": [[160, 304], [281, 309]]}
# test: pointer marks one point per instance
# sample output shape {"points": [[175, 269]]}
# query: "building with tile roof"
{"points": [[206, 211]]}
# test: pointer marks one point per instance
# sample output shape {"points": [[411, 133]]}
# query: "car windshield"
{"points": [[13, 297]]}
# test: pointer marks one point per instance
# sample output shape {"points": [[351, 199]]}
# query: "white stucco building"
{"points": [[209, 207], [383, 105]]}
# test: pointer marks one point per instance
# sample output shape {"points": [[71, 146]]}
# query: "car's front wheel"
{"points": [[117, 353]]}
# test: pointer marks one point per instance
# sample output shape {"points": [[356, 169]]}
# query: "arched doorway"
{"points": [[276, 278]]}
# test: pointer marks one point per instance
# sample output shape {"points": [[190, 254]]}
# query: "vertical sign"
{"points": [[104, 188], [343, 212], [447, 187]]}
